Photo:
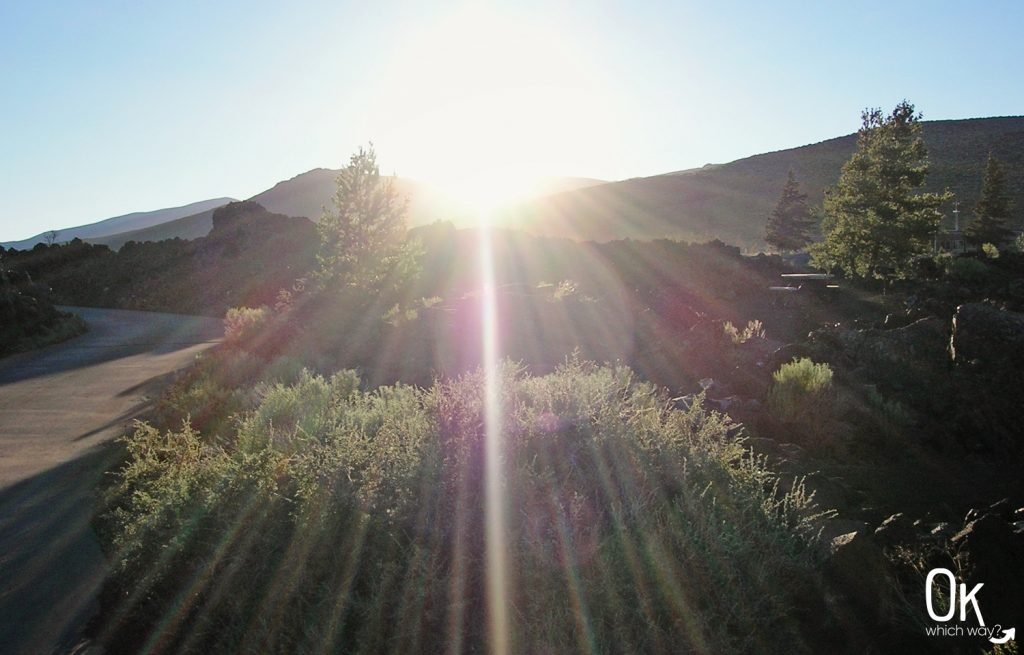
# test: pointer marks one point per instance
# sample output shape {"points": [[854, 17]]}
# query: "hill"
{"points": [[100, 230], [731, 201], [306, 194], [189, 227]]}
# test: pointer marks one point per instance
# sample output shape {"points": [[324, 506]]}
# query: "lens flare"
{"points": [[494, 490]]}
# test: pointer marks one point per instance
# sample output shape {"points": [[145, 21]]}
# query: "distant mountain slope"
{"points": [[308, 193], [189, 227], [95, 232], [731, 201], [723, 201], [304, 195]]}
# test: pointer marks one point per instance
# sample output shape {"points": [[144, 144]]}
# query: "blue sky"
{"points": [[113, 107]]}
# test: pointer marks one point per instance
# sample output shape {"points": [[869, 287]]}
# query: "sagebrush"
{"points": [[328, 518]]}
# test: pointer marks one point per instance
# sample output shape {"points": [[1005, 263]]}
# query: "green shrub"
{"points": [[990, 250], [243, 324], [336, 519], [801, 391], [201, 400], [966, 270]]}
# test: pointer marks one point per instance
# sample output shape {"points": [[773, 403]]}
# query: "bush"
{"points": [[966, 270], [990, 250], [335, 519], [243, 324], [801, 391], [28, 318]]}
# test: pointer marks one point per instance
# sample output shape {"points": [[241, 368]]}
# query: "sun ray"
{"points": [[494, 489]]}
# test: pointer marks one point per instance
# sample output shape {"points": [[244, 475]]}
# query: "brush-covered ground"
{"points": [[742, 471]]}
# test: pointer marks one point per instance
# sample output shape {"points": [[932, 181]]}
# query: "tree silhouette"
{"points": [[789, 224], [992, 210], [362, 234]]}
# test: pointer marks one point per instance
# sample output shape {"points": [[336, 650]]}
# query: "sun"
{"points": [[485, 102]]}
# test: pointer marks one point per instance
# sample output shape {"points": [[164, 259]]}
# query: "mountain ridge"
{"points": [[727, 201], [305, 195], [731, 201], [119, 224]]}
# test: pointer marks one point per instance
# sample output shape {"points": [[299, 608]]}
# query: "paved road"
{"points": [[59, 407]]}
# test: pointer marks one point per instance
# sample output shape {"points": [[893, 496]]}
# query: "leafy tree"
{"points": [[789, 224], [362, 235], [875, 221], [993, 208]]}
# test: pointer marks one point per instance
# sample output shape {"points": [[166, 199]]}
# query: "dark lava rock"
{"points": [[857, 569], [895, 530], [1002, 508], [987, 346], [988, 337], [992, 554]]}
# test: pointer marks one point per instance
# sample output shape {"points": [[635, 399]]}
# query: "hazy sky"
{"points": [[113, 107]]}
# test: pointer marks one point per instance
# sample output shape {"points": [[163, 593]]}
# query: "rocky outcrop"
{"points": [[877, 575], [984, 336], [987, 347], [921, 342], [991, 553]]}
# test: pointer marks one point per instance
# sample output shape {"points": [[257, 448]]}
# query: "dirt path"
{"points": [[59, 408]]}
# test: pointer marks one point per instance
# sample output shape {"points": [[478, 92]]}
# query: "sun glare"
{"points": [[482, 106], [485, 103]]}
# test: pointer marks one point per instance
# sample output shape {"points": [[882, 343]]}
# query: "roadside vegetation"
{"points": [[331, 518], [28, 318]]}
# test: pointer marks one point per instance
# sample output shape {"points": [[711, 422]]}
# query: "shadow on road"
{"points": [[51, 564], [113, 334], [60, 407]]}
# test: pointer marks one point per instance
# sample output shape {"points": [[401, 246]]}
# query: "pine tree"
{"points": [[992, 210], [362, 236], [875, 221], [789, 224]]}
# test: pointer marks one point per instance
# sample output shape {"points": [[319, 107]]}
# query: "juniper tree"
{"points": [[875, 220], [992, 210], [789, 224]]}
